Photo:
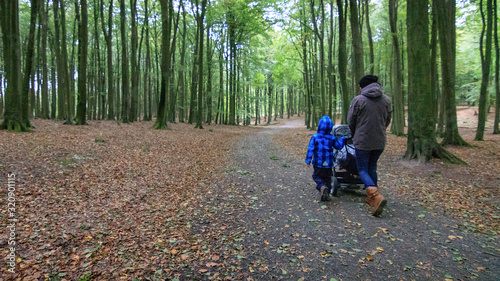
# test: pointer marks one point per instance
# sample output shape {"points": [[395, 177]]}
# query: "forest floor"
{"points": [[126, 202]]}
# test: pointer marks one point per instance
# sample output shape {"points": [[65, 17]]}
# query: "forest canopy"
{"points": [[232, 62]]}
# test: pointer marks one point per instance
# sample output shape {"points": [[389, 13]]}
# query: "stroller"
{"points": [[345, 172]]}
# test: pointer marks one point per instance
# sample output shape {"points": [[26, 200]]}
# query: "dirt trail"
{"points": [[265, 222]]}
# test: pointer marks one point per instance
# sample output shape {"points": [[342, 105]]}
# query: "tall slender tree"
{"points": [[134, 65], [147, 79], [270, 97], [194, 76], [320, 35], [370, 38], [109, 57], [166, 26], [434, 103], [485, 51], [496, 129], [53, 102], [342, 63], [358, 67], [44, 65], [68, 94], [209, 78], [447, 42], [63, 88], [172, 94], [28, 68], [181, 80], [231, 20], [82, 65], [305, 65], [331, 75], [125, 72], [398, 122]]}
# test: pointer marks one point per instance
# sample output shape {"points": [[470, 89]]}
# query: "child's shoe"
{"points": [[325, 193]]}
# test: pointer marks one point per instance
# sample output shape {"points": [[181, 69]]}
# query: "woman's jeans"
{"points": [[366, 162]]}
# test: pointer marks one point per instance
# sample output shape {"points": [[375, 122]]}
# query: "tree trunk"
{"points": [[421, 144], [157, 67], [125, 74], [398, 121], [209, 79], [134, 93], [181, 83], [485, 67], [28, 68], [257, 111], [100, 69], [342, 63], [357, 43], [71, 62], [82, 65], [270, 98], [201, 33], [109, 57], [276, 111], [232, 65], [118, 84], [173, 94], [9, 19], [69, 95], [220, 107], [496, 129], [370, 39], [194, 84], [331, 77], [61, 77], [447, 42], [305, 66], [147, 81], [53, 102], [166, 19], [38, 64], [45, 70], [2, 84], [320, 34], [434, 103]]}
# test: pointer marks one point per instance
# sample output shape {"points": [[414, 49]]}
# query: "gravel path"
{"points": [[264, 221]]}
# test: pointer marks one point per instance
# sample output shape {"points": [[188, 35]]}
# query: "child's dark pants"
{"points": [[322, 177]]}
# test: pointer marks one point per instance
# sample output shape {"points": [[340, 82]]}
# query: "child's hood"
{"points": [[325, 125]]}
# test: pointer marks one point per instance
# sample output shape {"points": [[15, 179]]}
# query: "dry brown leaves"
{"points": [[468, 192], [108, 201]]}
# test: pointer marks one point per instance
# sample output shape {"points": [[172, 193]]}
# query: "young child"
{"points": [[320, 151]]}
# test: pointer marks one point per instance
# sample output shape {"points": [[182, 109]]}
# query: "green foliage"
{"points": [[268, 38], [87, 276]]}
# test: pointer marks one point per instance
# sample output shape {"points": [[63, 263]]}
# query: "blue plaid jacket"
{"points": [[321, 145]]}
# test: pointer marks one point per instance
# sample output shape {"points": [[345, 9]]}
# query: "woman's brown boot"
{"points": [[375, 199]]}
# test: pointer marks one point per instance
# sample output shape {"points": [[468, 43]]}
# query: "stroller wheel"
{"points": [[336, 187]]}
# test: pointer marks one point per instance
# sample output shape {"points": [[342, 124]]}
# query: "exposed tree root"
{"points": [[13, 126], [160, 126], [440, 152], [425, 150], [456, 139]]}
